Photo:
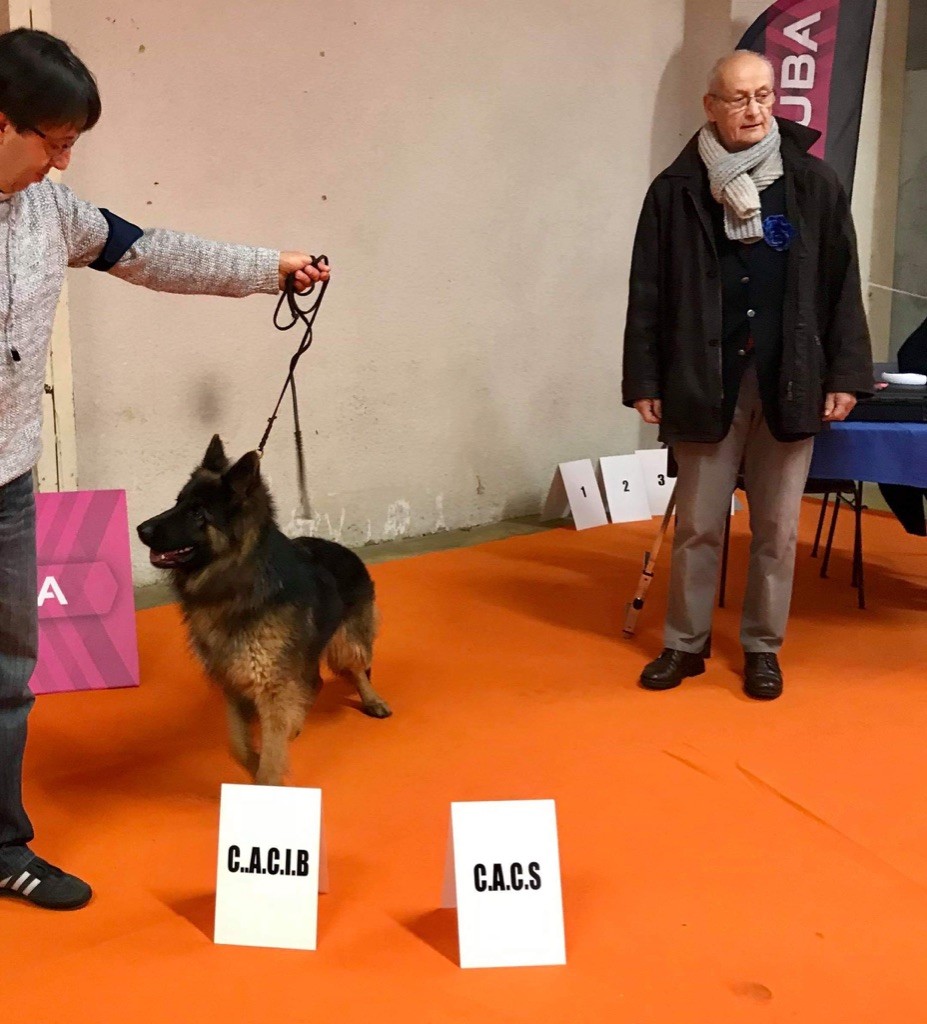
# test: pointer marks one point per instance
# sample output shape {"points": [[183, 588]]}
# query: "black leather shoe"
{"points": [[762, 676], [671, 668]]}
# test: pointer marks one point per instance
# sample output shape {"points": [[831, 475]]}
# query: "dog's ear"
{"points": [[243, 476], [215, 459]]}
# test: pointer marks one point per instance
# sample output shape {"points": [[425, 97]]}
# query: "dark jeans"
{"points": [[19, 637]]}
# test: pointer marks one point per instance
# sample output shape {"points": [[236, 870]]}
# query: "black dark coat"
{"points": [[912, 356], [672, 345]]}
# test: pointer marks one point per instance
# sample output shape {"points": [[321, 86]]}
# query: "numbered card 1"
{"points": [[503, 875], [625, 488], [575, 487], [271, 866], [659, 486]]}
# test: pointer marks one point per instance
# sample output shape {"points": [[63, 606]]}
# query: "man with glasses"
{"points": [[745, 332], [47, 99]]}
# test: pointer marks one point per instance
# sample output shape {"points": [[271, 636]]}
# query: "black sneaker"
{"points": [[33, 880]]}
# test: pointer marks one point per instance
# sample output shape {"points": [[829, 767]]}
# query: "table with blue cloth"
{"points": [[893, 455], [880, 453]]}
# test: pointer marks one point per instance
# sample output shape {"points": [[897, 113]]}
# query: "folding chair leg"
{"points": [[830, 537], [820, 529], [858, 548], [722, 588], [854, 577]]}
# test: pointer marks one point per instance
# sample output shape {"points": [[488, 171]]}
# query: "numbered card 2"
{"points": [[625, 488]]}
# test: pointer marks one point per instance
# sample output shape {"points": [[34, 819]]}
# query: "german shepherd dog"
{"points": [[261, 610]]}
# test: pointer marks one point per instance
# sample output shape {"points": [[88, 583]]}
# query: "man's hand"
{"points": [[651, 409], [300, 264], [837, 406]]}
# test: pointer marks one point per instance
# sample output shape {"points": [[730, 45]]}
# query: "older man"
{"points": [[745, 332]]}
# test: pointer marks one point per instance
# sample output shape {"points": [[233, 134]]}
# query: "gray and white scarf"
{"points": [[737, 179]]}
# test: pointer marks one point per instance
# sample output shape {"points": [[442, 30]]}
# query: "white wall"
{"points": [[484, 165], [875, 194], [909, 303]]}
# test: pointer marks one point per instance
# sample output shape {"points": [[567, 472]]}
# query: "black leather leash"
{"points": [[306, 316]]}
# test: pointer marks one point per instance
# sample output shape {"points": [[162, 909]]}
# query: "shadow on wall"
{"points": [[708, 33]]}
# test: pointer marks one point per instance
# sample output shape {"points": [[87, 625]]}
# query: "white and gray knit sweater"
{"points": [[45, 229]]}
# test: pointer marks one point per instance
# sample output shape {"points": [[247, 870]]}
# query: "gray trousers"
{"points": [[775, 473], [18, 649]]}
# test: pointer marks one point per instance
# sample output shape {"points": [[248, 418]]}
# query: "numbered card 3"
{"points": [[659, 486]]}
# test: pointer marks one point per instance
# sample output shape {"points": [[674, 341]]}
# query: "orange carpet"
{"points": [[722, 860]]}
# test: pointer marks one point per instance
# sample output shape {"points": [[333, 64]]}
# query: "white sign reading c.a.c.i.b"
{"points": [[271, 867], [503, 875]]}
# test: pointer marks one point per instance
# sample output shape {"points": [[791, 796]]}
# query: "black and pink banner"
{"points": [[820, 50]]}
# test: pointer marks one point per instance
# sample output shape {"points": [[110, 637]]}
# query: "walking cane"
{"points": [[650, 560]]}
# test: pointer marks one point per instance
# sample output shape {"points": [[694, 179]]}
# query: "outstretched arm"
{"points": [[175, 261]]}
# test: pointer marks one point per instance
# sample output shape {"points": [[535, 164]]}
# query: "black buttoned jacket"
{"points": [[674, 344]]}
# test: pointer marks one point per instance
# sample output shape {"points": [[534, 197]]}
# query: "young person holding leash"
{"points": [[48, 98]]}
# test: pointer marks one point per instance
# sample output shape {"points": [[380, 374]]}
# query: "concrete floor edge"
{"points": [[153, 594]]}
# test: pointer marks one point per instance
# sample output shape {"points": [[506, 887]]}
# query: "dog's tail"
{"points": [[351, 648]]}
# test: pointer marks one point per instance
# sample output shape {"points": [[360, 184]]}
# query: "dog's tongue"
{"points": [[166, 559]]}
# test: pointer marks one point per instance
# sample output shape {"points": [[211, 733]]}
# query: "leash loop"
{"points": [[305, 315]]}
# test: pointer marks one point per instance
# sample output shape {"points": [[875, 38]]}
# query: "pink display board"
{"points": [[87, 638]]}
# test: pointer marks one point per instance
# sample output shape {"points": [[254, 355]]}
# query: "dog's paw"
{"points": [[377, 709], [268, 779], [248, 759]]}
